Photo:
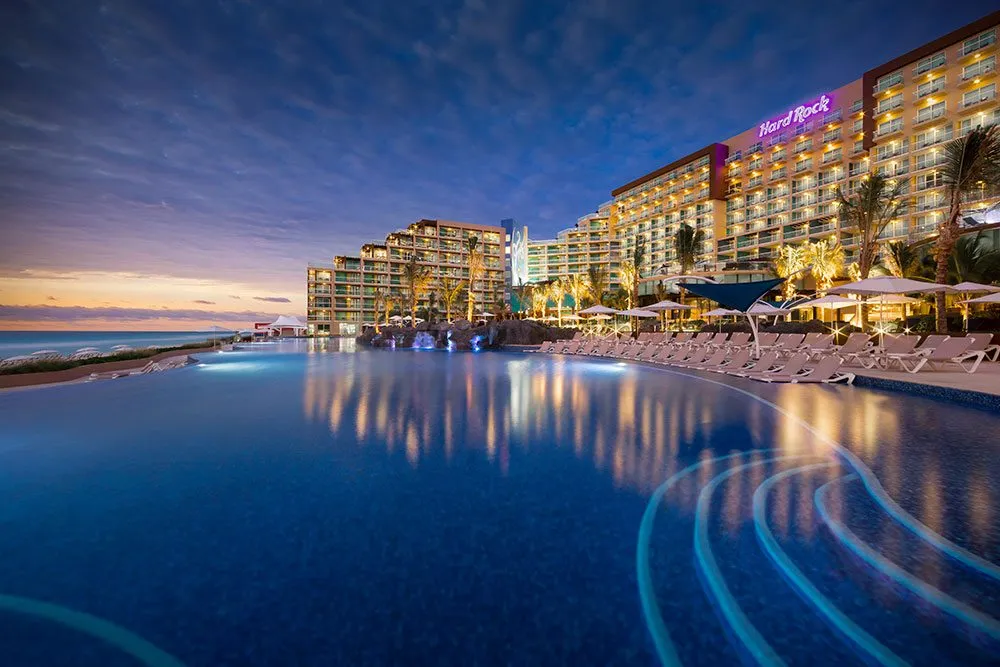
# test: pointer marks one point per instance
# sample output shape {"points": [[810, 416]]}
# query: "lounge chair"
{"points": [[794, 366], [666, 337], [952, 351], [766, 340], [702, 338], [826, 371], [546, 346], [931, 342], [682, 337], [692, 356], [601, 350], [709, 358], [767, 361], [896, 347], [788, 342], [857, 345], [736, 362], [18, 360], [738, 339], [819, 345], [668, 354], [648, 353], [983, 342], [717, 339]]}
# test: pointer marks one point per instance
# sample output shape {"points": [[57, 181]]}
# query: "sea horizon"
{"points": [[64, 341]]}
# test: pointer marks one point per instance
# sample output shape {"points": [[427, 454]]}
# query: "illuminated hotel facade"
{"points": [[341, 296], [776, 182], [575, 250]]}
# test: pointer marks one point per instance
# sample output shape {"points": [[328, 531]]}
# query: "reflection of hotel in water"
{"points": [[639, 430], [776, 182], [341, 297]]}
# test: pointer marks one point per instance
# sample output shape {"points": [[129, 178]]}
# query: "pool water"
{"points": [[306, 505]]}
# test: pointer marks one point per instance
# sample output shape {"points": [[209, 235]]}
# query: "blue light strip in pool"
{"points": [[874, 487], [806, 590], [654, 619], [756, 645], [922, 589], [117, 636]]}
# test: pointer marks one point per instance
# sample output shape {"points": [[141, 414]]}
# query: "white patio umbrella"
{"points": [[829, 302], [668, 305], [721, 312], [637, 312], [888, 285], [597, 310], [967, 289], [989, 298], [764, 308], [599, 317], [883, 286]]}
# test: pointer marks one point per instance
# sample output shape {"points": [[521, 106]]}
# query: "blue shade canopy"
{"points": [[738, 296]]}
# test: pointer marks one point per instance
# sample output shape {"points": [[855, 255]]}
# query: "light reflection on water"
{"points": [[628, 421]]}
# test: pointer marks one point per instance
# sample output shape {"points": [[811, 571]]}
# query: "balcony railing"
{"points": [[921, 118]]}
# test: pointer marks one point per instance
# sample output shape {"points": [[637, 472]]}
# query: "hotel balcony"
{"points": [[886, 107], [922, 119], [977, 50], [889, 131], [824, 228], [977, 75], [796, 232], [888, 84], [968, 105]]}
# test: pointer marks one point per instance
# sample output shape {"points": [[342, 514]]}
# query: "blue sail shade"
{"points": [[738, 296]]}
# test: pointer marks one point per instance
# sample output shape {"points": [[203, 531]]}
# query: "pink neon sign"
{"points": [[797, 115]]}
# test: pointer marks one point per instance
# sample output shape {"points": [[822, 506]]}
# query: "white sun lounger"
{"points": [[983, 342], [826, 371], [952, 351]]}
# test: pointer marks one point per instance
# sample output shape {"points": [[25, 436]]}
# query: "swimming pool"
{"points": [[298, 506]]}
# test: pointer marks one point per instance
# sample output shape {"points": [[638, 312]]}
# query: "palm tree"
{"points": [[974, 260], [557, 292], [475, 260], [789, 261], [537, 298], [597, 278], [416, 277], [631, 271], [451, 292], [687, 242], [827, 259], [971, 162], [381, 297], [900, 259], [869, 211], [578, 287], [391, 299]]}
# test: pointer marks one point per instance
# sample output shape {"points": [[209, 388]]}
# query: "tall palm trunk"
{"points": [[947, 238]]}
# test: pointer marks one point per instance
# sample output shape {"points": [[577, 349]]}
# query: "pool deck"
{"points": [[986, 380]]}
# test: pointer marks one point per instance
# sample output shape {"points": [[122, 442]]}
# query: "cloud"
{"points": [[272, 299], [233, 296], [203, 301], [51, 298], [44, 313]]}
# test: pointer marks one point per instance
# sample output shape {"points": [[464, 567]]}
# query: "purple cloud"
{"points": [[203, 301], [272, 299]]}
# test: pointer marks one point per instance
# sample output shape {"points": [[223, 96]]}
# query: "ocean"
{"points": [[13, 343]]}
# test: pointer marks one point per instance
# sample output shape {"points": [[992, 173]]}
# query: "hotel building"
{"points": [[575, 250], [776, 183], [341, 297]]}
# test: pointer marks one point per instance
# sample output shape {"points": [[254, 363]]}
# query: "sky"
{"points": [[170, 165]]}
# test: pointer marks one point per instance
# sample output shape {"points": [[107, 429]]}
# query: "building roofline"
{"points": [[869, 78], [716, 149]]}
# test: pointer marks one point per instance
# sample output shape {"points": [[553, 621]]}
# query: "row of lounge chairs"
{"points": [[795, 358], [52, 355], [790, 357]]}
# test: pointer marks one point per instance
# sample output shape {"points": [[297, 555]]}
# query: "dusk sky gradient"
{"points": [[166, 165]]}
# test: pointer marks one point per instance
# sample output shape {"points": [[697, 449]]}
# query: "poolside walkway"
{"points": [[985, 380]]}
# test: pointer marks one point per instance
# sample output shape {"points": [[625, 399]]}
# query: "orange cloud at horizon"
{"points": [[95, 300]]}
